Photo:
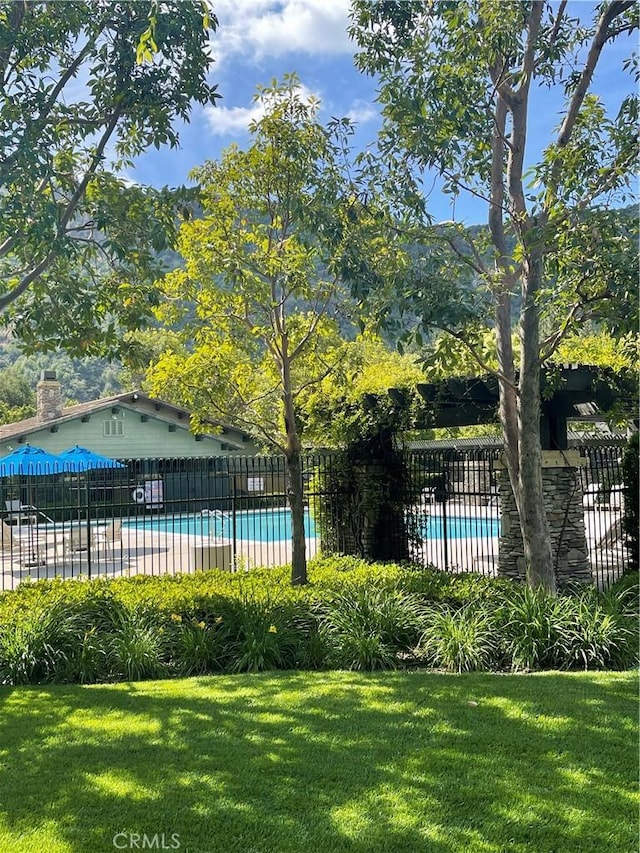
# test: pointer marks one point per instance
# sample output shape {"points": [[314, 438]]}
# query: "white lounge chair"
{"points": [[616, 497]]}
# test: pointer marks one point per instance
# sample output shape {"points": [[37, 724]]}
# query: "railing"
{"points": [[157, 516]]}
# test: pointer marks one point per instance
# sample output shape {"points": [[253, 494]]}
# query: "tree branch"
{"points": [[519, 111], [551, 343], [601, 36], [91, 169], [38, 123], [556, 24], [476, 263], [491, 371], [20, 288]]}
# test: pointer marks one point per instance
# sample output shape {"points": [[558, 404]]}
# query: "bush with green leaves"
{"points": [[198, 645], [598, 634], [352, 614], [463, 639], [34, 649], [532, 628], [369, 627], [265, 637]]}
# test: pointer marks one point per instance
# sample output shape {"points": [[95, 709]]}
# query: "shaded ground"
{"points": [[364, 763]]}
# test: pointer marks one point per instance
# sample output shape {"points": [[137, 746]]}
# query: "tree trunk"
{"points": [[296, 503], [294, 480], [530, 495]]}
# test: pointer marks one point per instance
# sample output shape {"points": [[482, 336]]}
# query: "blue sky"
{"points": [[259, 40]]}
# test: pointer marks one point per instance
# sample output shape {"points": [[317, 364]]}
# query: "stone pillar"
{"points": [[563, 499], [48, 397]]}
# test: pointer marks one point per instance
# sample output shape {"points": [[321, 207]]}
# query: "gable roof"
{"points": [[137, 402]]}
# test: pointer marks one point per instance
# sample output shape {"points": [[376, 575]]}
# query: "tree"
{"points": [[17, 394], [255, 298], [85, 88], [456, 84]]}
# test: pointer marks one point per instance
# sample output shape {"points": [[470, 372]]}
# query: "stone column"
{"points": [[563, 499]]}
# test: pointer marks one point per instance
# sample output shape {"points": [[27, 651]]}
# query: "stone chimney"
{"points": [[48, 397]]}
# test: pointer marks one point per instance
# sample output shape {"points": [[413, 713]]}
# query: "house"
{"points": [[125, 426]]}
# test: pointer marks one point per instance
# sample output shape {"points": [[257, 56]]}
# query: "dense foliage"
{"points": [[352, 615], [85, 87]]}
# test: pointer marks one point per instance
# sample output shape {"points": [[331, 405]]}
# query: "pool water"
{"points": [[271, 525], [461, 527], [274, 525]]}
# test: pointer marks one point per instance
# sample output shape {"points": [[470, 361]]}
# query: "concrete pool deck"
{"points": [[141, 554]]}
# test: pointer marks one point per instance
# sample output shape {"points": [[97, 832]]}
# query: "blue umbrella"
{"points": [[80, 459], [31, 461]]}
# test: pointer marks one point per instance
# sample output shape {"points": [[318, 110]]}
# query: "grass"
{"points": [[399, 762]]}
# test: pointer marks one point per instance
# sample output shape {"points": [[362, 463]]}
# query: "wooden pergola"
{"points": [[572, 392]]}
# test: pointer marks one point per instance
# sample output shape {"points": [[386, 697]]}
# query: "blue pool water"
{"points": [[271, 525], [274, 525], [462, 527]]}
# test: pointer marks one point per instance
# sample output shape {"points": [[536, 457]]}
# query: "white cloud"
{"points": [[224, 121], [266, 28], [230, 120], [362, 111]]}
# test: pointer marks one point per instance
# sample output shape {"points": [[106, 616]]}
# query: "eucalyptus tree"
{"points": [[460, 86], [85, 87], [255, 302]]}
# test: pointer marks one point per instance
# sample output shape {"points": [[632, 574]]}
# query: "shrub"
{"points": [[32, 650], [597, 634], [352, 614], [624, 595], [367, 627], [532, 626], [198, 647], [265, 636], [461, 640], [136, 648]]}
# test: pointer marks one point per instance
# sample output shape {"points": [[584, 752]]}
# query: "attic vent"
{"points": [[112, 428]]}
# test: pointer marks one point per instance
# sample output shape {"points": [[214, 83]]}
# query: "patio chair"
{"points": [[19, 513], [27, 551], [72, 543], [613, 537], [108, 537]]}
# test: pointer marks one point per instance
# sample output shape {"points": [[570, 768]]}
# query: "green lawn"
{"points": [[323, 762]]}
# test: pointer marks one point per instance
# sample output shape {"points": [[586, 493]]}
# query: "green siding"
{"points": [[139, 440]]}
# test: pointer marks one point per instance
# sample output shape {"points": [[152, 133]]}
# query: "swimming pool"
{"points": [[461, 527], [258, 525], [274, 525]]}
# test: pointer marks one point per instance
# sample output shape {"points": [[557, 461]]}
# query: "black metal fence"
{"points": [[157, 516]]}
